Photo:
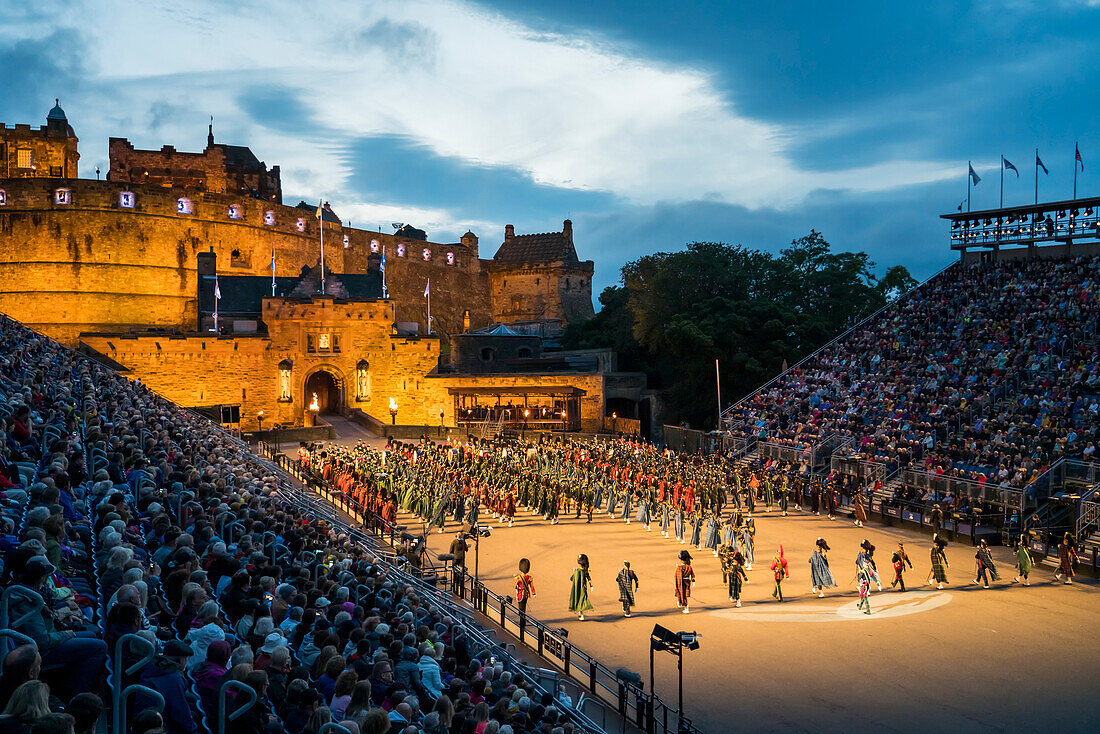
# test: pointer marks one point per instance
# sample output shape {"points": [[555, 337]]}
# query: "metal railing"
{"points": [[1000, 495], [644, 710]]}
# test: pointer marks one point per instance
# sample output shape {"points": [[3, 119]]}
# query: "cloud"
{"points": [[573, 112]]}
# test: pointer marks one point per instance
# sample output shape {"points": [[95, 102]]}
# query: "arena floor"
{"points": [[1005, 659]]}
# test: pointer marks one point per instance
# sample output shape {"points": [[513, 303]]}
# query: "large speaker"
{"points": [[231, 414]]}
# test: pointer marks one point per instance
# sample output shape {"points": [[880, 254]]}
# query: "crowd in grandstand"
{"points": [[988, 372], [143, 546]]}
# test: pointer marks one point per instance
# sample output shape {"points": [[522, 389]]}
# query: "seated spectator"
{"points": [[29, 702]]}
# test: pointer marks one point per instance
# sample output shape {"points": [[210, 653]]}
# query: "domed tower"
{"points": [[59, 129]]}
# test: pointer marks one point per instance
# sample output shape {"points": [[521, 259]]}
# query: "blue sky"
{"points": [[649, 124]]}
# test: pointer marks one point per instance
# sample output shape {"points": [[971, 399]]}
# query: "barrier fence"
{"points": [[643, 710]]}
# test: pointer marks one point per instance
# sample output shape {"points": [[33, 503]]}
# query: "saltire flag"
{"points": [[1010, 167], [1077, 157], [974, 176], [272, 256], [1039, 163], [382, 265]]}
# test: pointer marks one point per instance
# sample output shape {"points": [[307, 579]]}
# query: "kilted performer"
{"points": [[627, 581]]}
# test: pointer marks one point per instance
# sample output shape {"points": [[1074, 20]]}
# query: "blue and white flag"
{"points": [[1039, 163], [974, 176], [1009, 167]]}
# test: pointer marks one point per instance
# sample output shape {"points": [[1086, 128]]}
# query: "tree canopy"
{"points": [[676, 312]]}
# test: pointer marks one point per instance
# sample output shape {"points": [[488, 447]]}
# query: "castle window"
{"points": [[62, 196], [324, 342], [537, 280], [375, 246], [24, 158], [56, 171], [309, 343], [567, 282], [235, 212], [524, 353], [3, 198], [487, 354], [184, 206], [401, 249], [126, 199], [347, 242], [301, 225], [335, 342], [450, 258], [426, 254], [269, 218], [239, 260]]}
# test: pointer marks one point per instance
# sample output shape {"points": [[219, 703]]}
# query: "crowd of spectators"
{"points": [[988, 372], [143, 545]]}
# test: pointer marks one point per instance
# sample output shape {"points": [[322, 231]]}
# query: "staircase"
{"points": [[886, 491]]}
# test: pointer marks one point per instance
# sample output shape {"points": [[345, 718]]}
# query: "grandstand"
{"points": [[978, 390], [150, 559]]}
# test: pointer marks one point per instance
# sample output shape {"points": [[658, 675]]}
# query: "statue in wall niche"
{"points": [[363, 383], [284, 385]]}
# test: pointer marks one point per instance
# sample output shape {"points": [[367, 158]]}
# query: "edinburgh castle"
{"points": [[189, 272]]}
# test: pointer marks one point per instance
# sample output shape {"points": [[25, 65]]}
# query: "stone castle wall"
{"points": [[205, 370], [93, 265], [202, 370], [557, 291]]}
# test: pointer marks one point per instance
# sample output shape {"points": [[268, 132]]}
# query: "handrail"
{"points": [[5, 605], [18, 637], [224, 716], [119, 693]]}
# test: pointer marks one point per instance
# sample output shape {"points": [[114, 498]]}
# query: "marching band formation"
{"points": [[705, 502]]}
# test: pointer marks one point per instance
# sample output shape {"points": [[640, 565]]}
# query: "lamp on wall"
{"points": [[393, 412]]}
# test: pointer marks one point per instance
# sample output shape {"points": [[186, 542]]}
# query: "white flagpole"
{"points": [[217, 297], [321, 220], [718, 384], [428, 294], [385, 294], [272, 268]]}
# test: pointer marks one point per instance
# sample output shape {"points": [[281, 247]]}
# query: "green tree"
{"points": [[676, 312]]}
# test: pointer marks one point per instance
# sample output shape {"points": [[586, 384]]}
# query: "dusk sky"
{"points": [[649, 124]]}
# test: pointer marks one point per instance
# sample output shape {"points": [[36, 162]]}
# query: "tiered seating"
{"points": [[144, 547], [987, 372]]}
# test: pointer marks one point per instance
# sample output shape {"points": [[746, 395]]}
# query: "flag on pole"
{"points": [[1039, 163], [320, 209], [1010, 167], [217, 289], [427, 287], [974, 176], [1077, 158]]}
